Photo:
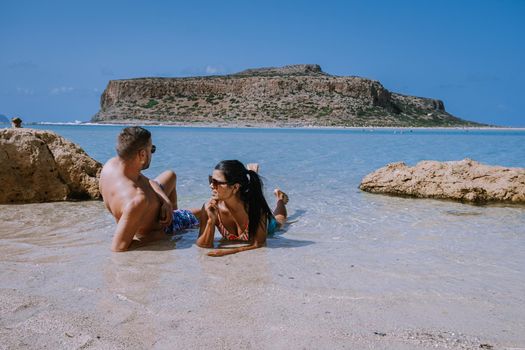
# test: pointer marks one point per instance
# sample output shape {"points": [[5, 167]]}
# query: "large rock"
{"points": [[465, 180], [41, 166]]}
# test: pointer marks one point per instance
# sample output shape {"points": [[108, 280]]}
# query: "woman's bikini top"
{"points": [[243, 236]]}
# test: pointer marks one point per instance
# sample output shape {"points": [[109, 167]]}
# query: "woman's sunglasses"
{"points": [[153, 149], [214, 182]]}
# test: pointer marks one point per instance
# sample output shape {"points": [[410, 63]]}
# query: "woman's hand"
{"points": [[211, 210], [218, 252]]}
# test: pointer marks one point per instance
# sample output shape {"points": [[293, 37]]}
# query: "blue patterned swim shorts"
{"points": [[182, 219]]}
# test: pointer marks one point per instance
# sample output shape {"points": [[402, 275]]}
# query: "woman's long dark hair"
{"points": [[251, 191]]}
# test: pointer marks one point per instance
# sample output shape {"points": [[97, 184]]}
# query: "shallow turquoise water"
{"points": [[321, 170]]}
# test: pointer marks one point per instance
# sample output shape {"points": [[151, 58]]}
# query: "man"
{"points": [[142, 207]]}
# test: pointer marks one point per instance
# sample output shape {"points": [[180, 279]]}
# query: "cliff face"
{"points": [[291, 95]]}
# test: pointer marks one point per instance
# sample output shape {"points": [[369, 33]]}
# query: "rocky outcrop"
{"points": [[291, 95], [296, 69], [465, 180], [41, 166]]}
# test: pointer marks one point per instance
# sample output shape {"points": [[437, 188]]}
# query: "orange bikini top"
{"points": [[243, 236]]}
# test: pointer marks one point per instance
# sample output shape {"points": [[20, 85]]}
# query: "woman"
{"points": [[238, 209]]}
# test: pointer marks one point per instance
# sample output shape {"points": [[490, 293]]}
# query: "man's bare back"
{"points": [[141, 207], [118, 191]]}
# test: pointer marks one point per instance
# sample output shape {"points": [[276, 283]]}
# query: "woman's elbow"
{"points": [[204, 244], [120, 247], [119, 250], [261, 244]]}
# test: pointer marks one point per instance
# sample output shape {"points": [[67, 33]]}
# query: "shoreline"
{"points": [[284, 126]]}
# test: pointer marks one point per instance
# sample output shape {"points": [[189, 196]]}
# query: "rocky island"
{"points": [[296, 95]]}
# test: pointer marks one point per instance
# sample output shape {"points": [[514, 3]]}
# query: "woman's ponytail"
{"points": [[257, 205]]}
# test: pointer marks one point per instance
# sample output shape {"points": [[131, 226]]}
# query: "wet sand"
{"points": [[62, 288]]}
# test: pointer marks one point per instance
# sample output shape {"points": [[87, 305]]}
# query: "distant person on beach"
{"points": [[145, 210], [16, 122], [238, 209]]}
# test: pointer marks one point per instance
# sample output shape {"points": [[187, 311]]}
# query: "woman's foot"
{"points": [[280, 195], [280, 212], [253, 166]]}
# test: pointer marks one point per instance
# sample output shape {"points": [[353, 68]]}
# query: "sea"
{"points": [[321, 170], [349, 265]]}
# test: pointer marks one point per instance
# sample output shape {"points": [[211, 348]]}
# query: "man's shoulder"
{"points": [[110, 164]]}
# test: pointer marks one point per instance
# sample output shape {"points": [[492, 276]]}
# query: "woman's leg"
{"points": [[168, 180], [280, 212]]}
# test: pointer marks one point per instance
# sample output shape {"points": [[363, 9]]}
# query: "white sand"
{"points": [[61, 288]]}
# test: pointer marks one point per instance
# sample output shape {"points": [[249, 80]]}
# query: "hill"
{"points": [[296, 95]]}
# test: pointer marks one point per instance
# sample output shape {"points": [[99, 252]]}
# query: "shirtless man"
{"points": [[142, 207]]}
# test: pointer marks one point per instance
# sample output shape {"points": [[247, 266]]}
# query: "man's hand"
{"points": [[165, 215]]}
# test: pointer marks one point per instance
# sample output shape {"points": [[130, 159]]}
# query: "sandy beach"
{"points": [[63, 289]]}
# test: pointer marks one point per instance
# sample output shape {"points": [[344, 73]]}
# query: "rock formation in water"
{"points": [[41, 166], [292, 95], [465, 180]]}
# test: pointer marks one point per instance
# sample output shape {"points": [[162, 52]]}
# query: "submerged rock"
{"points": [[42, 166], [465, 180]]}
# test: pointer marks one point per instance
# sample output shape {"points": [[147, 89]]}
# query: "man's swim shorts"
{"points": [[182, 219]]}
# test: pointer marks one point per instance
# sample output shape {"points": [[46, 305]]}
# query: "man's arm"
{"points": [[128, 223], [166, 208], [159, 191]]}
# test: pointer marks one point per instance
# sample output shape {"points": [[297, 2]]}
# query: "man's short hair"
{"points": [[131, 140]]}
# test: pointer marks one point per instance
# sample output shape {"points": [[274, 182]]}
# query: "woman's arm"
{"points": [[258, 242], [207, 220]]}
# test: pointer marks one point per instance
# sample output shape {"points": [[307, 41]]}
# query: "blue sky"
{"points": [[57, 56]]}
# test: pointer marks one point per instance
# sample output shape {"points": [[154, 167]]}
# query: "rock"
{"points": [[293, 95], [465, 180], [299, 69], [41, 166]]}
